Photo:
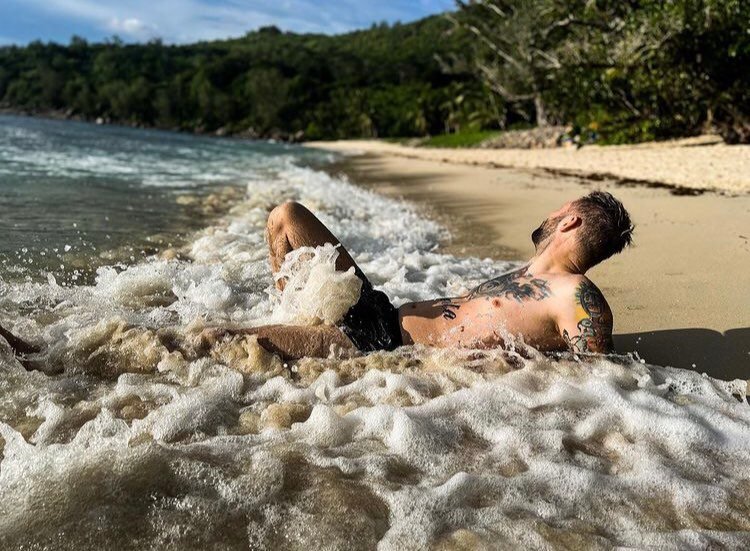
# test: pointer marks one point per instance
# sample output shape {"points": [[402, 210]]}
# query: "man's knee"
{"points": [[285, 213]]}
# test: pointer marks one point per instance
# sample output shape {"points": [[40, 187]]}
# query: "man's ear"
{"points": [[570, 222]]}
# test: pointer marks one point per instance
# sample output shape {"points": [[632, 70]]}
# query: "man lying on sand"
{"points": [[549, 303]]}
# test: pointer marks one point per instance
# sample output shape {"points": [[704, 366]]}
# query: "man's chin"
{"points": [[539, 248]]}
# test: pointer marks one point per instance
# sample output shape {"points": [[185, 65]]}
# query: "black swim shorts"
{"points": [[372, 323]]}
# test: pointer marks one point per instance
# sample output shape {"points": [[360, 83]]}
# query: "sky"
{"points": [[180, 21]]}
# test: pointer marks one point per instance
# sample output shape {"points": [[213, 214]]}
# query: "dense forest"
{"points": [[614, 70], [384, 81], [620, 70]]}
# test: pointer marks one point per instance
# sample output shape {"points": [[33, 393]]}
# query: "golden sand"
{"points": [[680, 295]]}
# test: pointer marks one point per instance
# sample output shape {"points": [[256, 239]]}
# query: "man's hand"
{"points": [[587, 327]]}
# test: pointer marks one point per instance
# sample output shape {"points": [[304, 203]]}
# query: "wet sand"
{"points": [[680, 296]]}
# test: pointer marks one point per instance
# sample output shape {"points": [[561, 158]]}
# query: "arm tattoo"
{"points": [[594, 322], [511, 286]]}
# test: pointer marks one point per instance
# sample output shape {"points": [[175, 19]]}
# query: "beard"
{"points": [[545, 230]]}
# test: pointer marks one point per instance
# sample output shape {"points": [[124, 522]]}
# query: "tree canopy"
{"points": [[630, 70], [619, 70], [383, 81]]}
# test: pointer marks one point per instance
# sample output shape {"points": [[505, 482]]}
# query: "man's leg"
{"points": [[288, 341], [291, 226]]}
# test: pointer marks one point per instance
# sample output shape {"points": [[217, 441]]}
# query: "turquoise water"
{"points": [[71, 193]]}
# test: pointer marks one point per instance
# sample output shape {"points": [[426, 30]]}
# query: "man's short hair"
{"points": [[606, 228]]}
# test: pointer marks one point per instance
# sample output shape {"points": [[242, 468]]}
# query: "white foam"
{"points": [[314, 291], [412, 449]]}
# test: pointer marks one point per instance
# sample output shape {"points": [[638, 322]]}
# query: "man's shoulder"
{"points": [[568, 284], [577, 289]]}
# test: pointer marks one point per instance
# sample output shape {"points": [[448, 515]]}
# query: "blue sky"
{"points": [[178, 21]]}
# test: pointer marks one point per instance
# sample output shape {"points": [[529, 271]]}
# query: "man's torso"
{"points": [[512, 305]]}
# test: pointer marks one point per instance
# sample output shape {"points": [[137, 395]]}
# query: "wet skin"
{"points": [[555, 311], [548, 311]]}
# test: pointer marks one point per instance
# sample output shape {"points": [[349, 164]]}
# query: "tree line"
{"points": [[627, 70], [383, 81], [614, 70]]}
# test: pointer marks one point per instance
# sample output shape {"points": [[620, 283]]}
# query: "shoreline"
{"points": [[146, 421], [691, 262], [683, 167], [221, 132], [463, 233]]}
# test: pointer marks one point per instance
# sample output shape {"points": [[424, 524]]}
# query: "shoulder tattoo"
{"points": [[594, 321], [516, 285]]}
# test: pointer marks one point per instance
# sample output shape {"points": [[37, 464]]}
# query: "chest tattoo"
{"points": [[516, 285], [449, 307]]}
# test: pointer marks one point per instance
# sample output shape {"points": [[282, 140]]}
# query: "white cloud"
{"points": [[132, 27], [191, 20]]}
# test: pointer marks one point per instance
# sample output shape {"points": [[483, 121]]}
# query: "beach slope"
{"points": [[679, 295]]}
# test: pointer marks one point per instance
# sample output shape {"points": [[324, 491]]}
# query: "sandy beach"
{"points": [[679, 296], [696, 164], [186, 363]]}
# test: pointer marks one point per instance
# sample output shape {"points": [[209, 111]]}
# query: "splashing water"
{"points": [[315, 292], [144, 439]]}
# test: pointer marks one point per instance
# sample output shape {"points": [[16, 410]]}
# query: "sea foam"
{"points": [[148, 439]]}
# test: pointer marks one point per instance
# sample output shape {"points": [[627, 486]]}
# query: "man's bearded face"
{"points": [[546, 229]]}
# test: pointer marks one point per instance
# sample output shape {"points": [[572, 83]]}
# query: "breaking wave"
{"points": [[133, 434]]}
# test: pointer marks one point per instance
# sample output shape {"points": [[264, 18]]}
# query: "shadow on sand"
{"points": [[723, 356]]}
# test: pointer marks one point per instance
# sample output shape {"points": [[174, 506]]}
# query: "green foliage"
{"points": [[624, 71], [460, 139], [616, 71], [383, 81]]}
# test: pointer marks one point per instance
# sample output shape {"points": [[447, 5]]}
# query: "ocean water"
{"points": [[131, 434], [74, 196]]}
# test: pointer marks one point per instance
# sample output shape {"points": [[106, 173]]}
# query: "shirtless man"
{"points": [[549, 303]]}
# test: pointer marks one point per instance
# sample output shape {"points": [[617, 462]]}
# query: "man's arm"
{"points": [[288, 341], [586, 327]]}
